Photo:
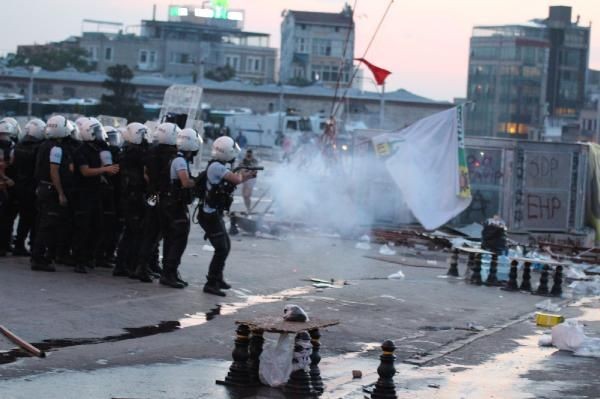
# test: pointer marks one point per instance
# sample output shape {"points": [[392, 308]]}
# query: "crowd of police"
{"points": [[91, 196]]}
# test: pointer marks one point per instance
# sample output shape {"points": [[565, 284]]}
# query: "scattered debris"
{"points": [[363, 243], [568, 336], [436, 386], [586, 287], [575, 272], [356, 374], [386, 250], [21, 343], [548, 306], [396, 276], [475, 327], [547, 319], [545, 340], [208, 248]]}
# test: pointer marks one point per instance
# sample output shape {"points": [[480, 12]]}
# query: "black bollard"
{"points": [[526, 283], [315, 359], [476, 276], [492, 279], [512, 284], [470, 267], [453, 269], [557, 284], [385, 388], [254, 351], [543, 287], [238, 372], [299, 383]]}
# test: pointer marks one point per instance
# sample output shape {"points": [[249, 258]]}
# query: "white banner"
{"points": [[423, 160]]}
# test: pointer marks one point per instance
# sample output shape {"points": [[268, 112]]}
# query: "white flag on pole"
{"points": [[426, 161]]}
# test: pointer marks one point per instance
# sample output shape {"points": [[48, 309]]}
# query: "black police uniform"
{"points": [[50, 212], [89, 226], [173, 206], [158, 164], [132, 207], [112, 225], [6, 201], [220, 197], [24, 162]]}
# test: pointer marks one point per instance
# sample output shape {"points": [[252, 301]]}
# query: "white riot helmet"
{"points": [[188, 140], [224, 149], [92, 130], [35, 129], [57, 127], [135, 133], [74, 130], [7, 130], [114, 136], [167, 133], [17, 129]]}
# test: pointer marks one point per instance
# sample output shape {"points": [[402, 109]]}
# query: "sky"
{"points": [[424, 43]]}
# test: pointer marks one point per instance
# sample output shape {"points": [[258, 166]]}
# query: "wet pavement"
{"points": [[117, 338]]}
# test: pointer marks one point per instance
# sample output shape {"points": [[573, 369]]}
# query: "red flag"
{"points": [[379, 73]]}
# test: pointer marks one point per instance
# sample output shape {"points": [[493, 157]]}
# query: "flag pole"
{"points": [[382, 106]]}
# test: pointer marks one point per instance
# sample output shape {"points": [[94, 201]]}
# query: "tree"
{"points": [[122, 102], [221, 74], [53, 58]]}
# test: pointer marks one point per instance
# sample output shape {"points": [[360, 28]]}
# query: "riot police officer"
{"points": [[8, 132], [25, 183], [174, 208], [93, 161], [158, 164], [132, 201], [220, 184], [54, 167], [110, 198]]}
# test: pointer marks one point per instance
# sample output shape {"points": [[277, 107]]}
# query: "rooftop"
{"points": [[329, 18], [316, 90]]}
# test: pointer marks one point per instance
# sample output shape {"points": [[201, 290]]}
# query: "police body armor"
{"points": [[42, 165], [177, 191], [158, 166], [25, 158], [220, 196], [132, 169]]}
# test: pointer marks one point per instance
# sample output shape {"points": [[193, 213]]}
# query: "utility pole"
{"points": [[32, 71], [382, 107]]}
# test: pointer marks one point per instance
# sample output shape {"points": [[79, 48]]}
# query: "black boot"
{"points": [[143, 274], [212, 287], [224, 285], [120, 271], [169, 278], [80, 268], [182, 281], [66, 260]]}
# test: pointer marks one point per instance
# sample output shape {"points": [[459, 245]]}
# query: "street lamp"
{"points": [[33, 70]]}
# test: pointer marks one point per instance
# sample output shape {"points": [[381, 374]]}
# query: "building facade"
{"points": [[190, 43], [317, 47], [528, 80]]}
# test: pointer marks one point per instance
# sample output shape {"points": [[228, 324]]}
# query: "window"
{"points": [[152, 58], [301, 45], [93, 53], [298, 72], [108, 54], [321, 47], [147, 60], [143, 57], [233, 61], [181, 58], [253, 64]]}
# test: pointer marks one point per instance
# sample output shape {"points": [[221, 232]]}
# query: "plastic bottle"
{"points": [[486, 260], [503, 268]]}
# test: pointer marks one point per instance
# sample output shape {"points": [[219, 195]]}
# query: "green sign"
{"points": [[220, 8]]}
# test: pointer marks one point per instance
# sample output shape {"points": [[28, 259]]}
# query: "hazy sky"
{"points": [[425, 43]]}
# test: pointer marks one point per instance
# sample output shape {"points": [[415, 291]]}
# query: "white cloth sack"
{"points": [[276, 362], [424, 164]]}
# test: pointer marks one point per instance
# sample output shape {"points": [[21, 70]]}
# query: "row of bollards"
{"points": [[474, 267]]}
